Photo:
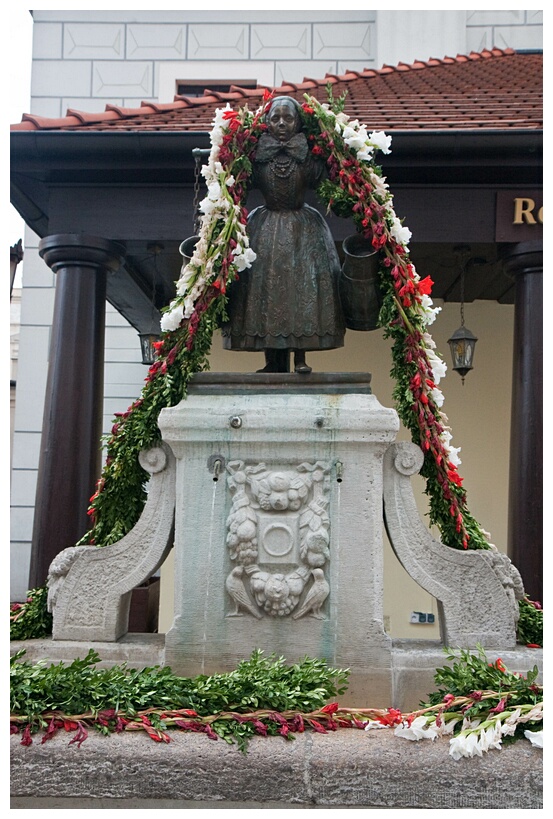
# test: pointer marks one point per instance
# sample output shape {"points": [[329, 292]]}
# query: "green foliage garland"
{"points": [[530, 623], [265, 696], [31, 619]]}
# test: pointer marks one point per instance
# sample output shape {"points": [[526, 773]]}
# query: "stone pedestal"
{"points": [[278, 525], [275, 491]]}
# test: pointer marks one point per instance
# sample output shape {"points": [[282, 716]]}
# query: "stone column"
{"points": [[524, 261], [70, 456]]}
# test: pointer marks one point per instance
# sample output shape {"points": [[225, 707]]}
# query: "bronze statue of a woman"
{"points": [[288, 300]]}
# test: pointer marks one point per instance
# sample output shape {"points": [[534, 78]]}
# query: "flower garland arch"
{"points": [[355, 188]]}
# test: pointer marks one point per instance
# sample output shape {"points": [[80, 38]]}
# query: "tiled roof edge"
{"points": [[75, 118]]}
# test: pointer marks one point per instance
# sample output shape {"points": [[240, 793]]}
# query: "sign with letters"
{"points": [[519, 216]]}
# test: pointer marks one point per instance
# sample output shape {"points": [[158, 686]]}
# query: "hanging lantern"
{"points": [[462, 344], [147, 341], [149, 338]]}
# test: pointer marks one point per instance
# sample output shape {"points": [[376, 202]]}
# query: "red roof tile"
{"points": [[495, 89]]}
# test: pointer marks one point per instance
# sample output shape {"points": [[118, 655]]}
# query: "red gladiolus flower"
{"points": [[454, 477], [425, 285], [260, 727], [307, 108], [230, 115], [393, 717], [80, 736], [27, 738], [210, 732], [448, 699], [53, 727], [320, 729], [499, 707], [331, 708]]}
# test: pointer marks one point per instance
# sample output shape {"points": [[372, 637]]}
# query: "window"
{"points": [[195, 88]]}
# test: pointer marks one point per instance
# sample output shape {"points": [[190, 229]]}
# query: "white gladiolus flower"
{"points": [[427, 306], [188, 305], [245, 259], [218, 120], [437, 396], [448, 726], [379, 184], [429, 341], [365, 154], [400, 233], [490, 737], [417, 730], [509, 726], [184, 282], [172, 319], [453, 452], [439, 367], [217, 137], [535, 737], [230, 181], [374, 724], [464, 745], [355, 137], [207, 206], [214, 191], [381, 141], [535, 713]]}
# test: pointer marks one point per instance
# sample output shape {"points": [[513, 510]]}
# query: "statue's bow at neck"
{"points": [[269, 147]]}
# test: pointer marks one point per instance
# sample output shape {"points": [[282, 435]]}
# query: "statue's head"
{"points": [[283, 118]]}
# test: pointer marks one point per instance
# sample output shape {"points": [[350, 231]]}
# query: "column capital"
{"points": [[523, 257], [61, 250]]}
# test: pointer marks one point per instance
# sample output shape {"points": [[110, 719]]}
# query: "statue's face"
{"points": [[283, 122]]}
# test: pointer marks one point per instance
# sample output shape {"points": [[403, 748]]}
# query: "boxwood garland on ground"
{"points": [[480, 705]]}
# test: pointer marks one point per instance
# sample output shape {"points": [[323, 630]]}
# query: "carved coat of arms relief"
{"points": [[278, 539]]}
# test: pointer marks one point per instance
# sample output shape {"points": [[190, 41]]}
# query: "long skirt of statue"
{"points": [[288, 299]]}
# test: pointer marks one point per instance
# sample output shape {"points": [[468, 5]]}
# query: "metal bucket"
{"points": [[358, 284], [186, 248]]}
